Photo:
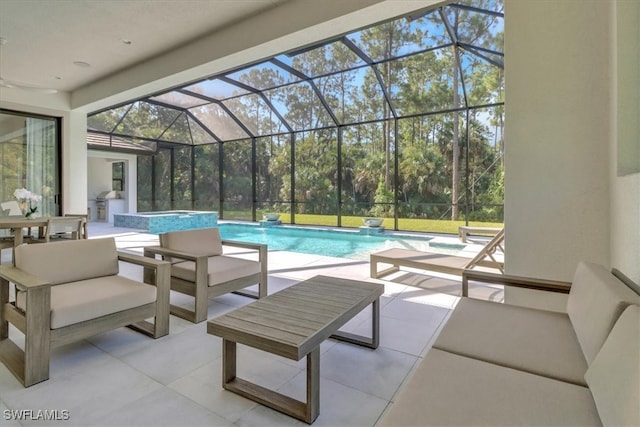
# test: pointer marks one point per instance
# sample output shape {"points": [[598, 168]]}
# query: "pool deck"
{"points": [[122, 378]]}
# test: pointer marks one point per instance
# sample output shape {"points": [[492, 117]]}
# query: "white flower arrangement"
{"points": [[26, 199]]}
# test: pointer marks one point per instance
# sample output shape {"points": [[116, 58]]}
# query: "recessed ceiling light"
{"points": [[81, 64]]}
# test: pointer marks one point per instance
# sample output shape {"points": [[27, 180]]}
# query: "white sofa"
{"points": [[496, 364]]}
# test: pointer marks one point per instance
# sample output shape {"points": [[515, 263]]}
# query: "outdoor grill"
{"points": [[101, 204]]}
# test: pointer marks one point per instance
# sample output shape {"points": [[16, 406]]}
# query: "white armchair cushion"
{"points": [[76, 302], [221, 269], [596, 301], [204, 241], [614, 375], [70, 261]]}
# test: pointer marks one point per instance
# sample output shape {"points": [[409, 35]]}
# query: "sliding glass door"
{"points": [[29, 158]]}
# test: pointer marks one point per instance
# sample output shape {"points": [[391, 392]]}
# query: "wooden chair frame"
{"points": [[465, 230], [31, 365], [200, 289], [522, 282]]}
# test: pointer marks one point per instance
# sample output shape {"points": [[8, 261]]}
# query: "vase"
{"points": [[271, 216], [372, 222]]}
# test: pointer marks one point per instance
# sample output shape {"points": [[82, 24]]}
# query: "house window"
{"points": [[117, 176], [29, 158]]}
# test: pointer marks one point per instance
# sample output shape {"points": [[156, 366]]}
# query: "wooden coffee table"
{"points": [[293, 323]]}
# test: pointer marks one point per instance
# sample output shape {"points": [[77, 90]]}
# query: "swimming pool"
{"points": [[328, 242]]}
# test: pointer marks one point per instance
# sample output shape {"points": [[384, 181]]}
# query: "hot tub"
{"points": [[165, 221]]}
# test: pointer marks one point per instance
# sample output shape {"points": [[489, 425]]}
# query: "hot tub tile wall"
{"points": [[157, 222]]}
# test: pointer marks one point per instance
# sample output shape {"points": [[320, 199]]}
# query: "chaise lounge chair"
{"points": [[448, 264]]}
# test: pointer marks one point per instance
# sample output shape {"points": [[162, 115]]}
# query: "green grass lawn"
{"points": [[404, 224]]}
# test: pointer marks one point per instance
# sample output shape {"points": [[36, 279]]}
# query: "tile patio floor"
{"points": [[123, 378]]}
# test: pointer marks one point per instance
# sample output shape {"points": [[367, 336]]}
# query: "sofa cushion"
{"points": [[221, 269], [537, 341], [596, 301], [614, 375], [448, 389], [92, 298], [204, 241], [63, 262]]}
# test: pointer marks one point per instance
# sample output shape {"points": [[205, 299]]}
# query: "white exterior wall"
{"points": [[100, 172], [625, 137], [557, 72], [99, 178], [564, 198], [74, 162]]}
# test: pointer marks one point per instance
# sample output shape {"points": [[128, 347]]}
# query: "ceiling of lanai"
{"points": [[321, 86], [138, 47]]}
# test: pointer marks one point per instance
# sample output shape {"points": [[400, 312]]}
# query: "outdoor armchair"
{"points": [[199, 268], [69, 291]]}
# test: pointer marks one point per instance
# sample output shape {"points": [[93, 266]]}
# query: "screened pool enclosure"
{"points": [[402, 120]]}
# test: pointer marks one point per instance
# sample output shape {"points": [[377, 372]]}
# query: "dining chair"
{"points": [[5, 243], [8, 208], [85, 219], [60, 228]]}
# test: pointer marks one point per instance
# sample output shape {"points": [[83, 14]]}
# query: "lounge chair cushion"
{"points": [[427, 259], [205, 241], [71, 261], [537, 341], [76, 302], [596, 301], [614, 375], [448, 389], [221, 269]]}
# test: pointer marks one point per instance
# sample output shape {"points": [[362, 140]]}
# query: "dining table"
{"points": [[17, 223]]}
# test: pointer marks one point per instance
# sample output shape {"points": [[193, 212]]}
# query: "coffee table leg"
{"points": [[372, 342], [228, 361], [306, 412], [313, 385]]}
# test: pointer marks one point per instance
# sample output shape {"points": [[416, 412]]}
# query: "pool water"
{"points": [[340, 244]]}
